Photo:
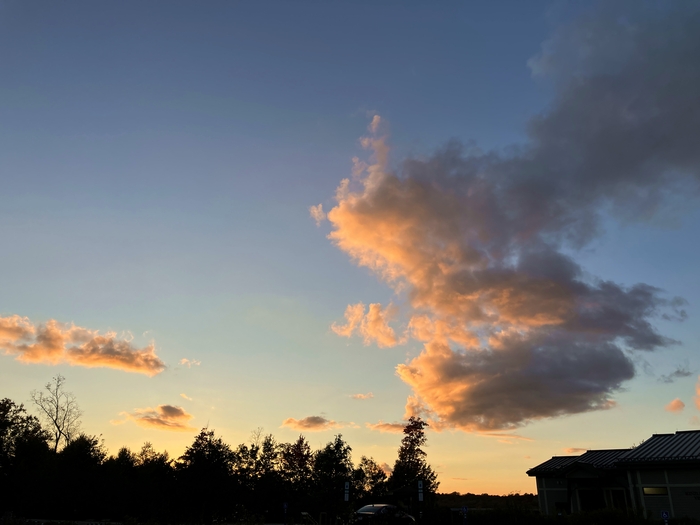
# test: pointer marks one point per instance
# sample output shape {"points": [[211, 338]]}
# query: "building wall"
{"points": [[682, 487], [552, 495]]}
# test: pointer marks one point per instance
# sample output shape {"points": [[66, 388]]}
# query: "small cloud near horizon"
{"points": [[675, 406], [368, 395], [163, 417], [381, 426], [189, 363], [185, 396], [311, 423], [575, 450]]}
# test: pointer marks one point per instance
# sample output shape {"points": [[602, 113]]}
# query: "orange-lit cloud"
{"points": [[381, 426], [575, 450], [386, 468], [697, 394], [185, 396], [54, 343], [479, 248], [368, 395], [372, 326], [311, 423], [189, 363], [163, 417], [675, 406]]}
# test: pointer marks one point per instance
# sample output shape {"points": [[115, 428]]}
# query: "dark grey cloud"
{"points": [[484, 244], [680, 372]]}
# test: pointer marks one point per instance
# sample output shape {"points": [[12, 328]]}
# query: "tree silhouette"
{"points": [[24, 456], [411, 466], [205, 475], [370, 479], [59, 409], [332, 468]]}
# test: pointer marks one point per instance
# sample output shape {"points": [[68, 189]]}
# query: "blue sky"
{"points": [[157, 164]]}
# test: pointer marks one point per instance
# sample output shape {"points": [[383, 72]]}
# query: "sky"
{"points": [[325, 217]]}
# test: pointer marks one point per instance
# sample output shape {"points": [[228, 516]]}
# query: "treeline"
{"points": [[263, 480]]}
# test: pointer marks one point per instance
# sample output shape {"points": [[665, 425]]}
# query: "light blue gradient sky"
{"points": [[157, 161]]}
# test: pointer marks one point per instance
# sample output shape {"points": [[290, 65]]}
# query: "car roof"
{"points": [[376, 505]]}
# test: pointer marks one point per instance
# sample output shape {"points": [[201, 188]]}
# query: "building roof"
{"points": [[684, 445], [681, 446], [602, 458], [552, 465]]}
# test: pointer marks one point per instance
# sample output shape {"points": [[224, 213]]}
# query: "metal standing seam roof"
{"points": [[602, 458], [683, 445], [552, 465]]}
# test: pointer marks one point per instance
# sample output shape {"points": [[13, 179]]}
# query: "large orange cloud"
{"points": [[54, 343], [480, 247]]}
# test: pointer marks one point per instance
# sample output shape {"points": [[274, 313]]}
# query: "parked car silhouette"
{"points": [[383, 514]]}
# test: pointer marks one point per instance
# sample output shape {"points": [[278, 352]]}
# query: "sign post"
{"points": [[420, 490], [347, 491], [665, 515]]}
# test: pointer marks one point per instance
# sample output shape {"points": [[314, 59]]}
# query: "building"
{"points": [[662, 475]]}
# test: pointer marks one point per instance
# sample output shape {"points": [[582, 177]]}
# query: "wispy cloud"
{"points": [[162, 417], [189, 363], [317, 213], [675, 406], [368, 395], [575, 450], [185, 396], [680, 372], [311, 424], [482, 245], [381, 426], [54, 343]]}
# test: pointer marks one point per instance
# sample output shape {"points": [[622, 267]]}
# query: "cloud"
{"points": [[189, 363], [163, 417], [374, 125], [680, 372], [185, 396], [697, 394], [482, 246], [507, 437], [55, 343], [317, 214], [675, 406], [368, 395], [311, 424], [575, 450], [381, 426], [386, 468], [372, 326]]}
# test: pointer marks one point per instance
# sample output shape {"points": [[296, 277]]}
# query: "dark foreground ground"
{"points": [[447, 509]]}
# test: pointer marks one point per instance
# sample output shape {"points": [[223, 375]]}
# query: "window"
{"points": [[655, 491]]}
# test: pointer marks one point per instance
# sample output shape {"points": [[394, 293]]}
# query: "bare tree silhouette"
{"points": [[59, 410]]}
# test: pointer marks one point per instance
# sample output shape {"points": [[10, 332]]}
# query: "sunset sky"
{"points": [[324, 217]]}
